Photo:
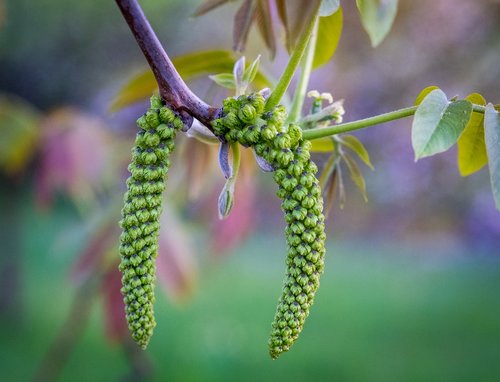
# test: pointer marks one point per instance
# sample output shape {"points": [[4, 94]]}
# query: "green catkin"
{"points": [[244, 120], [141, 213]]}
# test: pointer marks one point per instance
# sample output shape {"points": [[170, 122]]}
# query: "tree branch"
{"points": [[173, 89]]}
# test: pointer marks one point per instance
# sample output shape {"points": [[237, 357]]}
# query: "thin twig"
{"points": [[173, 89]]}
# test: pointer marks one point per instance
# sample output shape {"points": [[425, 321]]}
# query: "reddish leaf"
{"points": [[228, 233], [90, 259], [75, 157], [295, 16], [116, 328], [264, 22], [242, 23], [209, 5], [176, 268]]}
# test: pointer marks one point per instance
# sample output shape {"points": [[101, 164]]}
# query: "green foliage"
{"points": [[438, 123], [141, 213], [20, 133], [329, 32], [492, 138], [283, 148], [189, 66], [424, 93], [377, 18]]}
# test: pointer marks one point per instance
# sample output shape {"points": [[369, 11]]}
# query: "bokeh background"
{"points": [[412, 278]]}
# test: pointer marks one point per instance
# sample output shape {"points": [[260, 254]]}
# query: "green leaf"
{"points": [[471, 147], [251, 71], [189, 66], [226, 80], [438, 123], [356, 174], [354, 144], [492, 139], [328, 7], [377, 17], [424, 93], [19, 132], [329, 31], [322, 145]]}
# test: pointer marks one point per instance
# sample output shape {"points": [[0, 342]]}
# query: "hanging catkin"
{"points": [[282, 147], [141, 213]]}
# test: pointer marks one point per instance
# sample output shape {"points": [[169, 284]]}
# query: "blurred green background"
{"points": [[412, 278]]}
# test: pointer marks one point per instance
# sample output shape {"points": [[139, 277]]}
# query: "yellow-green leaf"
{"points": [[424, 93], [471, 147], [356, 175], [188, 65], [329, 32], [322, 145], [19, 134], [377, 17], [353, 143]]}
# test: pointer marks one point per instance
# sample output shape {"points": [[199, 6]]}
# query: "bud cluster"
{"points": [[245, 121], [141, 213]]}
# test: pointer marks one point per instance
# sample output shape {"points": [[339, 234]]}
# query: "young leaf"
{"points": [[356, 174], [329, 31], [438, 124], [188, 65], [226, 80], [209, 5], [238, 71], [264, 21], [242, 23], [353, 143], [251, 71], [328, 7], [424, 93], [492, 139], [224, 165], [295, 16], [377, 17], [330, 193], [471, 147]]}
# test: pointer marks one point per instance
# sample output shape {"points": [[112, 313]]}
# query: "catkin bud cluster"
{"points": [[141, 213], [245, 121]]}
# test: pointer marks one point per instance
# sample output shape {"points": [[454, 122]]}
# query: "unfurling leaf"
{"points": [[264, 165], [225, 167], [329, 32], [471, 147], [238, 70], [354, 144], [226, 199], [492, 139], [264, 21], [251, 71], [209, 5], [377, 17], [438, 123], [356, 174], [226, 80], [295, 16], [242, 23]]}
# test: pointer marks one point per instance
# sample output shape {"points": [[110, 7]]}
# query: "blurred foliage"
{"points": [[389, 316]]}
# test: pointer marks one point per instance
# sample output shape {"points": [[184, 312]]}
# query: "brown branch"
{"points": [[173, 89]]}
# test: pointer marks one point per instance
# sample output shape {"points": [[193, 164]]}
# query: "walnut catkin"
{"points": [[141, 213], [244, 120]]}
